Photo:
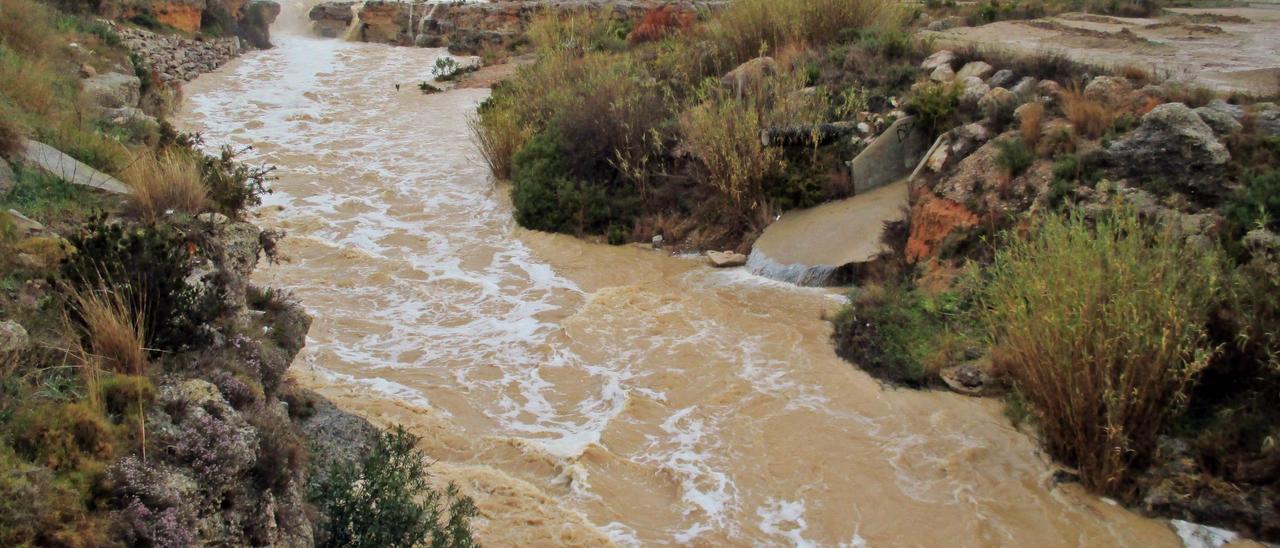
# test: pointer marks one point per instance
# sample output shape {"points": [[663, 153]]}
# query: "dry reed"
{"points": [[1101, 326]]}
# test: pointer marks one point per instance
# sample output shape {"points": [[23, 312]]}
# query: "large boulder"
{"points": [[331, 19], [976, 69], [938, 59], [1025, 88], [255, 27], [1001, 78], [1269, 122], [942, 73], [13, 338], [974, 90], [1221, 121], [1173, 143], [1108, 89], [749, 75], [998, 103], [113, 90]]}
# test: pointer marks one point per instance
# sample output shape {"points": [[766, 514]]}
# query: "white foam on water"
{"points": [[1194, 535], [709, 494], [785, 519]]}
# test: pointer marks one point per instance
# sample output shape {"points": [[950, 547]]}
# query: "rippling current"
{"points": [[585, 394]]}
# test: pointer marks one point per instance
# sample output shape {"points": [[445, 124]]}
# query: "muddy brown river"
{"points": [[593, 395]]}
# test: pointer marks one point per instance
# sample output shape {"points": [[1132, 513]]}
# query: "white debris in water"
{"points": [[1194, 535]]}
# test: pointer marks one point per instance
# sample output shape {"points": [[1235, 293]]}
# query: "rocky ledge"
{"points": [[247, 19], [178, 59]]}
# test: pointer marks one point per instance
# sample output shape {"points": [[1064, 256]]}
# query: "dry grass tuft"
{"points": [[10, 138], [499, 136], [1101, 324], [112, 328], [1031, 123], [1136, 74], [164, 182], [746, 27], [1091, 118]]}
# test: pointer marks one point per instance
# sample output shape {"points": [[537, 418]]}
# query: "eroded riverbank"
{"points": [[581, 392]]}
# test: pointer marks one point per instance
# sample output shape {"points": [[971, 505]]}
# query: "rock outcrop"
{"points": [[331, 19], [247, 19], [933, 221], [1174, 143], [177, 59]]}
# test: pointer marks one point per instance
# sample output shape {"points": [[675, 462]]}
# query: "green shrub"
{"points": [[151, 265], [935, 106], [387, 500], [1100, 324], [898, 334], [891, 43], [1014, 156], [1256, 204], [233, 185], [546, 198]]}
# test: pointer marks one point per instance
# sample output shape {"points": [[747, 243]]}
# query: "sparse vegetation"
{"points": [[1014, 156]]}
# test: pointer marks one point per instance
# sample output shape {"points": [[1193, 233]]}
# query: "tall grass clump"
{"points": [[10, 138], [112, 328], [745, 27], [1101, 325], [166, 181], [1091, 118], [1031, 123], [723, 133]]}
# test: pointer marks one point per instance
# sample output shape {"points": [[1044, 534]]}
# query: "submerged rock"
{"points": [[726, 259]]}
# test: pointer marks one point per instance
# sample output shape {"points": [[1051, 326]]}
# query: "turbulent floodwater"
{"points": [[585, 394]]}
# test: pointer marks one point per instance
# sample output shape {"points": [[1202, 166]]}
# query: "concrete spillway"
{"points": [[809, 247]]}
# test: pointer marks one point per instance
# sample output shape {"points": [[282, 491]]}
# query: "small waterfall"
{"points": [[805, 275], [356, 30]]}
